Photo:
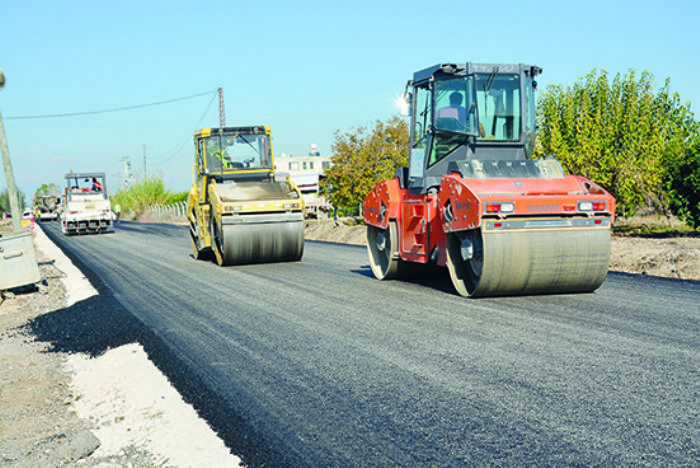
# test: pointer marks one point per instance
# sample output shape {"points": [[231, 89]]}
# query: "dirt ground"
{"points": [[39, 420]]}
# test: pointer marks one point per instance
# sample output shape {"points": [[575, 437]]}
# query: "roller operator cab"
{"points": [[474, 200], [238, 211]]}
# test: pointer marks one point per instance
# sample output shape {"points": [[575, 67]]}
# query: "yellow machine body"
{"points": [[238, 210]]}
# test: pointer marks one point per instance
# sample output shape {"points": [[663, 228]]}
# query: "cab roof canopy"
{"points": [[443, 70], [85, 175], [247, 130]]}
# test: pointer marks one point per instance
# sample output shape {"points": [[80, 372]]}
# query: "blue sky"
{"points": [[305, 68]]}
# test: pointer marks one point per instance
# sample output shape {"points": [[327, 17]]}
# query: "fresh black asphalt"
{"points": [[316, 363]]}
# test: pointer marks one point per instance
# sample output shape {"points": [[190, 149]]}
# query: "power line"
{"points": [[174, 152], [116, 109]]}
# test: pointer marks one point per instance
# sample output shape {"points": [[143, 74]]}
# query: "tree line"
{"points": [[637, 142], [640, 143]]}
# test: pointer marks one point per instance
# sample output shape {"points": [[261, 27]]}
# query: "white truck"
{"points": [[86, 207]]}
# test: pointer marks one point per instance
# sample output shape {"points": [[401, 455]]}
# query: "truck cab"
{"points": [[86, 208]]}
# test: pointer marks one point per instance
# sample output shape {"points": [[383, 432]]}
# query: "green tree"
{"points": [[46, 190], [683, 183], [138, 197], [179, 197], [362, 158], [620, 134], [5, 201]]}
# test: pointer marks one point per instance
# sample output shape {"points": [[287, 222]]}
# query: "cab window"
{"points": [[421, 123], [498, 98], [238, 152], [455, 117]]}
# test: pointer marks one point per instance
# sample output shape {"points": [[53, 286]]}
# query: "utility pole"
{"points": [[12, 193], [127, 171], [222, 111], [19, 266], [145, 168]]}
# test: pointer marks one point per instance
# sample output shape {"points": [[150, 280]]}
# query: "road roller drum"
{"points": [[528, 261], [259, 239]]}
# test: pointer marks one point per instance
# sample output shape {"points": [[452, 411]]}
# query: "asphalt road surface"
{"points": [[316, 363]]}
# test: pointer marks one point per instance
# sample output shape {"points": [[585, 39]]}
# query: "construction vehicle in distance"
{"points": [[47, 207], [86, 208], [473, 198], [237, 209]]}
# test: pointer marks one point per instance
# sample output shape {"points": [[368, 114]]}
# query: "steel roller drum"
{"points": [[536, 261], [260, 239]]}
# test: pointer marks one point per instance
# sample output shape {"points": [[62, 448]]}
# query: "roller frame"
{"points": [[522, 254]]}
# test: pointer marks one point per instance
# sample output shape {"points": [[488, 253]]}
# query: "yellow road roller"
{"points": [[238, 210]]}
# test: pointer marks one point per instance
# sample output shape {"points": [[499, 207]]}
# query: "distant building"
{"points": [[296, 165], [305, 171]]}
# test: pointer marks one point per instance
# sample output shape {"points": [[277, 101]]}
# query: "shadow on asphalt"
{"points": [[429, 276], [161, 229], [100, 323]]}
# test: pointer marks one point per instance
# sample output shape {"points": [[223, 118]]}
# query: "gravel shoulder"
{"points": [[72, 409], [118, 410]]}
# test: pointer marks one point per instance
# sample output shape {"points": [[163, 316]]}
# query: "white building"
{"points": [[305, 171]]}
